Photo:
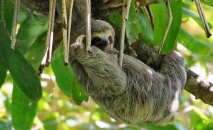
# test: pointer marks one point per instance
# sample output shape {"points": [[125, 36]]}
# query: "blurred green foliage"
{"points": [[25, 105]]}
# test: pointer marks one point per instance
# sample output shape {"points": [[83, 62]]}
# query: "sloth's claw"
{"points": [[79, 42]]}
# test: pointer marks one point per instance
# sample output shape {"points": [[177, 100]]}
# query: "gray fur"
{"points": [[135, 93]]}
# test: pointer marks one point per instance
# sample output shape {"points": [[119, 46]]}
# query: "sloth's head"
{"points": [[102, 35]]}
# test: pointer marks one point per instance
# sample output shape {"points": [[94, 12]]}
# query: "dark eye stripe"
{"points": [[110, 39], [95, 40]]}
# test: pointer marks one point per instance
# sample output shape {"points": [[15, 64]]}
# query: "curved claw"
{"points": [[80, 39], [78, 42]]}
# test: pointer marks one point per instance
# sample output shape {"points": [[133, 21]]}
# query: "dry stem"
{"points": [[64, 21], [49, 40], [203, 19], [88, 27], [15, 21], [125, 14]]}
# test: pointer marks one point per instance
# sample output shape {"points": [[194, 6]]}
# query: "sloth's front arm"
{"points": [[98, 72]]}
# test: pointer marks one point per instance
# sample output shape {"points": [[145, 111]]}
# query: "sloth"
{"points": [[134, 93]]}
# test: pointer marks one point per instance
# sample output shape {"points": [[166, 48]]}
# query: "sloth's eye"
{"points": [[110, 39]]}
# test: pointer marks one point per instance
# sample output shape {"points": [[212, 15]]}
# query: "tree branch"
{"points": [[199, 87]]}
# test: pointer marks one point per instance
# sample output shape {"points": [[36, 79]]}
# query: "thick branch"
{"points": [[200, 88]]}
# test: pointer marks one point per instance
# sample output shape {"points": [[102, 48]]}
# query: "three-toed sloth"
{"points": [[133, 93]]}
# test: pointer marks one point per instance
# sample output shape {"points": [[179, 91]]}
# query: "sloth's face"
{"points": [[103, 40], [104, 43], [102, 35]]}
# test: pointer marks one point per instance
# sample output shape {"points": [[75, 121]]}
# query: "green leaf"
{"points": [[194, 16], [64, 75], [35, 53], [199, 120], [146, 35], [20, 69], [132, 25], [146, 28], [28, 32], [7, 13], [24, 13], [79, 94], [208, 2], [58, 52], [161, 18], [23, 110], [193, 44], [116, 19], [3, 73]]}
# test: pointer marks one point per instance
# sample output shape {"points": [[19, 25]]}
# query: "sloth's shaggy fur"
{"points": [[133, 94]]}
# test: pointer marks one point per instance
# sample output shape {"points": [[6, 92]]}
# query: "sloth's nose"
{"points": [[105, 42]]}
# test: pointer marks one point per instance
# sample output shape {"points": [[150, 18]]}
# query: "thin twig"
{"points": [[64, 20], [168, 26], [15, 21], [69, 25], [127, 9], [51, 34], [203, 19], [49, 40], [88, 27], [125, 14], [122, 34]]}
